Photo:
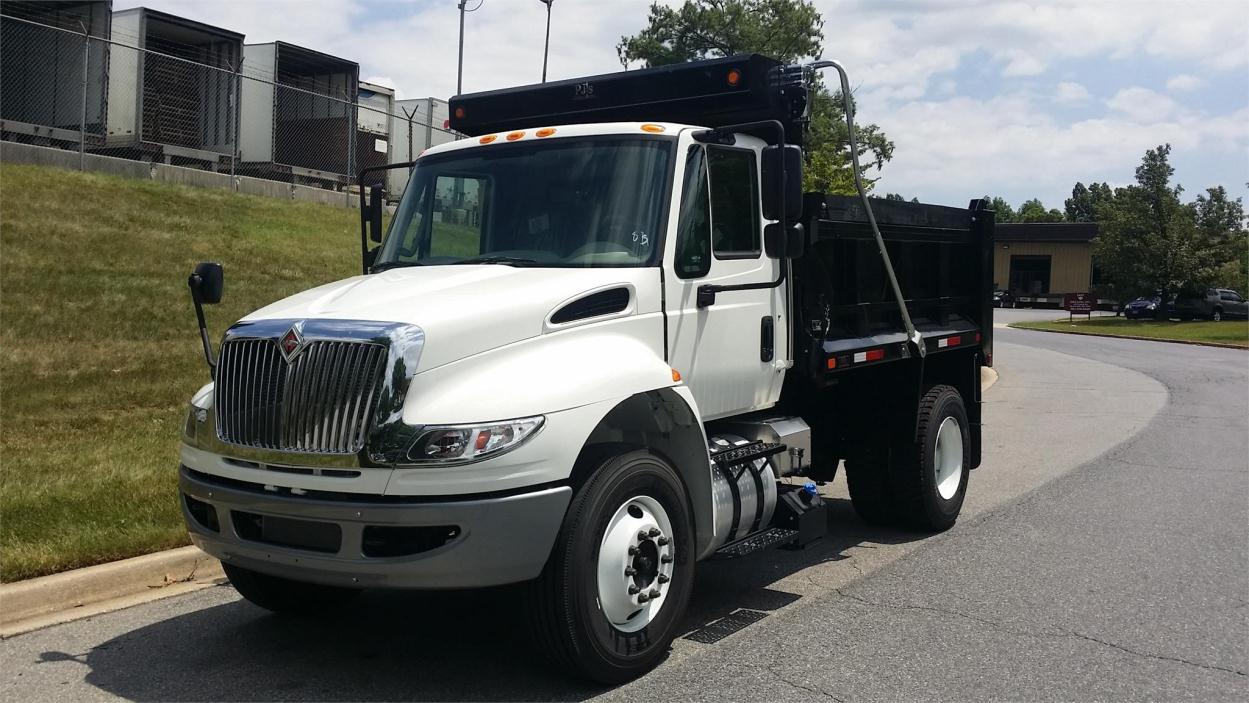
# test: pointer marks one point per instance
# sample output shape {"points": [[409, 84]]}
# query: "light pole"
{"points": [[547, 46], [459, 67]]}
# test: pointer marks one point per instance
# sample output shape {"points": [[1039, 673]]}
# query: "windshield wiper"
{"points": [[393, 265], [510, 260]]}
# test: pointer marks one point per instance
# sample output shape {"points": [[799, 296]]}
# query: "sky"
{"points": [[1017, 99]]}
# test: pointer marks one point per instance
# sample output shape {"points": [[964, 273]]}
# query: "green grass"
{"points": [[99, 352], [1226, 332]]}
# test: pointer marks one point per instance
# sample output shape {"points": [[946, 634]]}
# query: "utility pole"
{"points": [[459, 71], [546, 48]]}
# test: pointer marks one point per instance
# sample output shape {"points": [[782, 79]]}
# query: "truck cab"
{"points": [[604, 336]]}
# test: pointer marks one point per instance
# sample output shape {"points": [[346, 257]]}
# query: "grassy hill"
{"points": [[99, 352]]}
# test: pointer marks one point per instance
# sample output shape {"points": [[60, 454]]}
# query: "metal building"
{"points": [[173, 99], [298, 114], [43, 51], [1040, 262], [417, 125]]}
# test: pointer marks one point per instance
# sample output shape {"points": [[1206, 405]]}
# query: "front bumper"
{"points": [[375, 542]]}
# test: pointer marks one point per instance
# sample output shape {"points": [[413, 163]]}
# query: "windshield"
{"points": [[558, 203]]}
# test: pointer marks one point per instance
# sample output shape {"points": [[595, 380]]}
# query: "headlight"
{"points": [[1151, 306], [461, 444]]}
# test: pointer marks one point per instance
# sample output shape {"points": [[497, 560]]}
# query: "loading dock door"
{"points": [[1030, 274]]}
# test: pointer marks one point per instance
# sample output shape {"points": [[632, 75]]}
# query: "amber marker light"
{"points": [[545, 132], [653, 128], [676, 376], [513, 136], [734, 77], [487, 139]]}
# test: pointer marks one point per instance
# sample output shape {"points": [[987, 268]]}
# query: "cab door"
{"points": [[730, 353]]}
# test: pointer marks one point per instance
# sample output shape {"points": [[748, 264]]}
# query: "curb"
{"points": [[41, 602], [49, 600], [1191, 343]]}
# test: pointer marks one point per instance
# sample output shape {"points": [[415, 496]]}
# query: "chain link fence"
{"points": [[195, 96]]}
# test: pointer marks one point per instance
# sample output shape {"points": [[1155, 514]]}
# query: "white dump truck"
{"points": [[605, 335]]}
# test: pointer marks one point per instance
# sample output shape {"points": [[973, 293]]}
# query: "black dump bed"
{"points": [[942, 257]]}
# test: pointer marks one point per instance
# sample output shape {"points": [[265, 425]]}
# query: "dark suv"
{"points": [[1214, 304]]}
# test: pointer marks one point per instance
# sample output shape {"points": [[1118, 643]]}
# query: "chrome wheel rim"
{"points": [[947, 464], [635, 564]]}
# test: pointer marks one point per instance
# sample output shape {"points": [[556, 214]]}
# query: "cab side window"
{"points": [[693, 254], [734, 203]]}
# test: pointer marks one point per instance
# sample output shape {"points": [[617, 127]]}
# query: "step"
{"points": [[759, 540], [746, 453]]}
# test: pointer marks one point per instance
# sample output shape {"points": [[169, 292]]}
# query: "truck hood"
{"points": [[463, 309]]}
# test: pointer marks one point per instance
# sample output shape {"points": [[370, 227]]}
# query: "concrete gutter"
{"points": [[1190, 342], [71, 595], [49, 600]]}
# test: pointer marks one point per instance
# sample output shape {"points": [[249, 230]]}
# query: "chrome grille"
{"points": [[320, 402]]}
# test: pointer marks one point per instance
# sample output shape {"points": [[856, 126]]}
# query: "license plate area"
{"points": [[311, 535]]}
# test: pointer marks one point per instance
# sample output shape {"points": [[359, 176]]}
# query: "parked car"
{"points": [[1003, 299], [1213, 304], [1144, 306]]}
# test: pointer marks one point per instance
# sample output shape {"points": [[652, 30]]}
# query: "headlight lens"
{"points": [[467, 443]]}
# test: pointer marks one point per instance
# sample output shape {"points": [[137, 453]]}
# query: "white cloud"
{"points": [[1184, 83], [1069, 92], [1142, 101]]}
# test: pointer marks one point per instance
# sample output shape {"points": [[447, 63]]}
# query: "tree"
{"points": [[1034, 211], [1084, 201], [1221, 223], [1002, 211], [786, 30], [1150, 240]]}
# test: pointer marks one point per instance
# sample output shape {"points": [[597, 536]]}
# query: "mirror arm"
{"points": [[194, 283]]}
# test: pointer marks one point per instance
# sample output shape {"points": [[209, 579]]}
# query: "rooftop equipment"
{"points": [[172, 98], [298, 120], [41, 70]]}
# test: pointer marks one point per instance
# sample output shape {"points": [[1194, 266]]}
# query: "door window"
{"points": [[693, 255], [1230, 296], [734, 203]]}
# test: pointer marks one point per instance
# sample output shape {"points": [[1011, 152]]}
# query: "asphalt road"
{"points": [[1102, 554]]}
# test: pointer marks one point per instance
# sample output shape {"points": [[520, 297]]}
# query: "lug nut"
{"points": [[654, 593], [642, 598], [663, 578], [667, 558], [663, 541], [633, 551], [654, 532], [642, 535], [630, 571], [634, 590]]}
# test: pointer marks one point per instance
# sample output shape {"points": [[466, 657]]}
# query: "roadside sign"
{"points": [[1078, 304]]}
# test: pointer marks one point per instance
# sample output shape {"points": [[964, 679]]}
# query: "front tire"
{"points": [[612, 594], [929, 480], [284, 595]]}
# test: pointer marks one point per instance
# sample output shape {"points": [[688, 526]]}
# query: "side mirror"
{"points": [[208, 282], [782, 168], [375, 212], [781, 241]]}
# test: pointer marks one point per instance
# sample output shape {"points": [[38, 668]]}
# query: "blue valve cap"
{"points": [[809, 488]]}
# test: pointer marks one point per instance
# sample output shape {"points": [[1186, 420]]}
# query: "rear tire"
{"points": [[284, 595], [629, 525], [929, 479]]}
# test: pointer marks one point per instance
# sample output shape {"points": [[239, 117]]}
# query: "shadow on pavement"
{"points": [[412, 646]]}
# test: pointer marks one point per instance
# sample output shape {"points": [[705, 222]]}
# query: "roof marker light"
{"points": [[734, 77], [676, 376], [487, 139], [652, 128], [513, 136], [545, 132]]}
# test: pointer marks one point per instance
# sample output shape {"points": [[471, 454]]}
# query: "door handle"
{"points": [[766, 338]]}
